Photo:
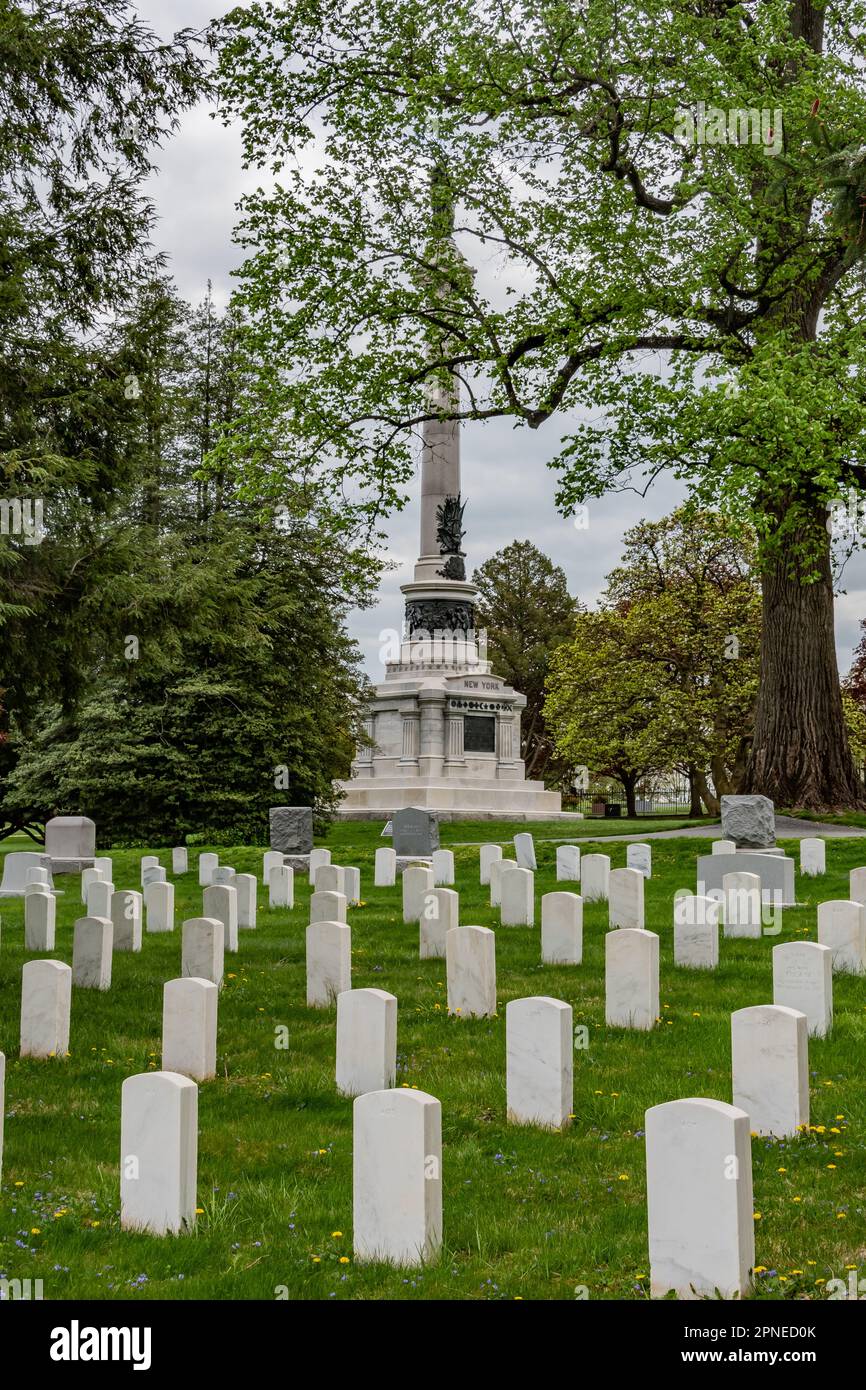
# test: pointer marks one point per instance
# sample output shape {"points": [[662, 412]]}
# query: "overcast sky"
{"points": [[509, 489]]}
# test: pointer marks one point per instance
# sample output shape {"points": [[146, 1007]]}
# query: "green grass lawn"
{"points": [[527, 1214]]}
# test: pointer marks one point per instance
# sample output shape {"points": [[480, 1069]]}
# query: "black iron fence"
{"points": [[665, 801]]}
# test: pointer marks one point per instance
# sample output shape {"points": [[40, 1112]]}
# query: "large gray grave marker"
{"points": [[749, 821], [292, 829], [415, 832]]}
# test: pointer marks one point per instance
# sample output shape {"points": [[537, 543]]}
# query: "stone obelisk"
{"points": [[439, 600], [440, 477]]}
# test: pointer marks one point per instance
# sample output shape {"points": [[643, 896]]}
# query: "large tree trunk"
{"points": [[629, 783], [695, 807], [711, 801], [800, 755]]}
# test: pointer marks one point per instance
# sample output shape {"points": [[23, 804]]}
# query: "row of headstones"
{"points": [[812, 856], [46, 989], [769, 1058], [699, 1179], [841, 922], [189, 1017], [385, 867]]}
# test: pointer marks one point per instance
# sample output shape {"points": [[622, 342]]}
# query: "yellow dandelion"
{"points": [[344, 1259]]}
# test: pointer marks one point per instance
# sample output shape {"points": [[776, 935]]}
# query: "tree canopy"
{"points": [[526, 611], [665, 674], [655, 230]]}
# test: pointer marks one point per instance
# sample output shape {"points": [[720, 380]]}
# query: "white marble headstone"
{"points": [[246, 887], [857, 885], [397, 1177], [442, 863], [568, 863], [696, 932], [594, 877], [88, 876], [770, 1068], [220, 901], [331, 878], [207, 862], [561, 929], [417, 883], [46, 1003], [281, 886], [700, 1208], [539, 1062], [441, 914], [274, 859], [487, 856], [625, 897], [639, 856], [328, 907], [203, 949], [842, 927], [329, 962], [631, 978], [385, 871], [813, 861], [159, 907], [158, 1152], [470, 968], [803, 980], [189, 1027], [366, 1041], [99, 895], [126, 916], [40, 916], [517, 891], [741, 908], [318, 857], [524, 851], [352, 880], [497, 869], [148, 861], [92, 944]]}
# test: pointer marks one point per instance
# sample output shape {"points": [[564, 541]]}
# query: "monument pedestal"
{"points": [[445, 736]]}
